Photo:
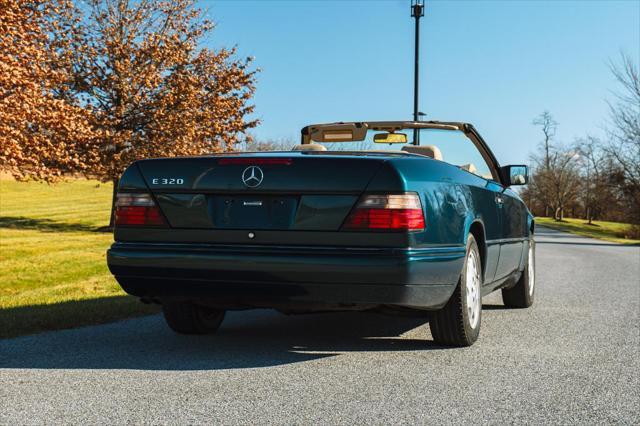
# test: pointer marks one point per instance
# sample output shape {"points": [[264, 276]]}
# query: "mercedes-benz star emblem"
{"points": [[252, 176]]}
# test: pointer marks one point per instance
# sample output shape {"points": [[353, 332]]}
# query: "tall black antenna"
{"points": [[417, 12]]}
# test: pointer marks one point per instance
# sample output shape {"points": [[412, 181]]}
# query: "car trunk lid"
{"points": [[259, 191]]}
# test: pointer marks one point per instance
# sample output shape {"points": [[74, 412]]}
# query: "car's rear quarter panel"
{"points": [[454, 200]]}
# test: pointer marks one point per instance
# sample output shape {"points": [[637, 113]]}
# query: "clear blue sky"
{"points": [[496, 64]]}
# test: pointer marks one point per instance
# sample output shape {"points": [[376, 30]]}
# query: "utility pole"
{"points": [[417, 12]]}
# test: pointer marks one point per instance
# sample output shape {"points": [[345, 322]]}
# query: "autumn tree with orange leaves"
{"points": [[135, 69], [42, 135]]}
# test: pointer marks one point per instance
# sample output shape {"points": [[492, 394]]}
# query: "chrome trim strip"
{"points": [[296, 250], [507, 240]]}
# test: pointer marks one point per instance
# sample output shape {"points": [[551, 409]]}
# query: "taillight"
{"points": [[393, 212], [137, 209]]}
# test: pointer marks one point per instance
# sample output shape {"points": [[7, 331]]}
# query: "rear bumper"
{"points": [[270, 276]]}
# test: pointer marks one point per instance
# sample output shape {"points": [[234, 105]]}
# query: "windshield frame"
{"points": [[359, 130]]}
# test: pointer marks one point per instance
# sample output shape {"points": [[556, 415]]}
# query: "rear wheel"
{"points": [[521, 295], [189, 318], [458, 323]]}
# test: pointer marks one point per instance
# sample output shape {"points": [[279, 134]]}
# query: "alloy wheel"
{"points": [[474, 300]]}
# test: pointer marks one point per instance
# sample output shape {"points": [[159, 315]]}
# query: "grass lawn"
{"points": [[52, 261], [608, 231]]}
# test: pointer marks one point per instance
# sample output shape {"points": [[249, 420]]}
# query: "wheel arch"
{"points": [[531, 222], [476, 228]]}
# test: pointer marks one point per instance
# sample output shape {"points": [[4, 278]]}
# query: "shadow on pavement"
{"points": [[247, 339], [575, 243], [552, 236], [574, 239], [552, 233], [494, 307]]}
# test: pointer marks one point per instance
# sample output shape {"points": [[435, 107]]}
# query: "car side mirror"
{"points": [[515, 175]]}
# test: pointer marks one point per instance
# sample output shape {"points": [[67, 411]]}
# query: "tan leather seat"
{"points": [[430, 151], [471, 168], [309, 147]]}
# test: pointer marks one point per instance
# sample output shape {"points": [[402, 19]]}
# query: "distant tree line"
{"points": [[592, 178]]}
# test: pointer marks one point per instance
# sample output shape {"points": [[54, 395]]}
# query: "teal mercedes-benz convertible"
{"points": [[398, 217]]}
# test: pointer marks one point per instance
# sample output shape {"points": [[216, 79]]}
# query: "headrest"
{"points": [[309, 147], [471, 168], [431, 151]]}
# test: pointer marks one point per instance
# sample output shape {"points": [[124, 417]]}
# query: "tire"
{"points": [[522, 294], [458, 323], [189, 318]]}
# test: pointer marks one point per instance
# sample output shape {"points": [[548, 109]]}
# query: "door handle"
{"points": [[499, 199]]}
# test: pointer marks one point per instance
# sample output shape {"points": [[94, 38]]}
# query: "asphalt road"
{"points": [[572, 358]]}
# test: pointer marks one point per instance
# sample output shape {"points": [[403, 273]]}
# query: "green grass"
{"points": [[52, 259], [608, 231]]}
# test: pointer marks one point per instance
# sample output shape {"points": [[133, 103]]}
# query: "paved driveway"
{"points": [[573, 358]]}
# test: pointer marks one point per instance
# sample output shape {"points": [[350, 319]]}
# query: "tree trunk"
{"points": [[112, 219]]}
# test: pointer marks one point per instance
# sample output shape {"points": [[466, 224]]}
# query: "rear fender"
{"points": [[389, 178], [470, 220], [531, 224], [525, 248], [131, 180]]}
